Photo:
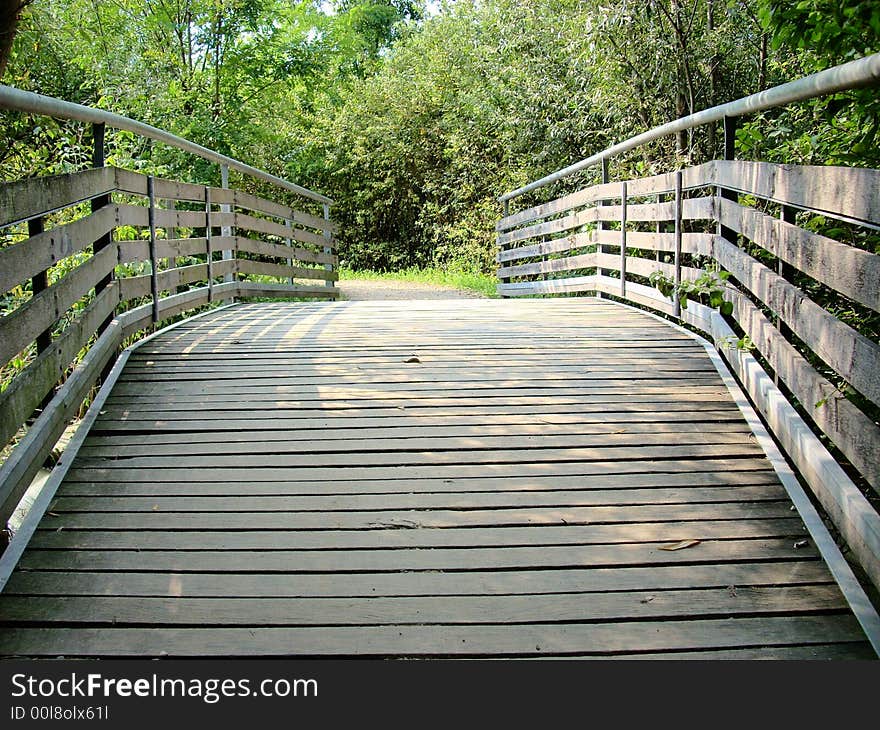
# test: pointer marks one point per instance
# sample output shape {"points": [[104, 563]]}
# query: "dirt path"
{"points": [[360, 289]]}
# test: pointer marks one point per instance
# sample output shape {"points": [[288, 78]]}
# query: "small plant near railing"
{"points": [[708, 288]]}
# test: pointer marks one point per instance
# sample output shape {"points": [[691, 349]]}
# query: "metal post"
{"points": [[623, 239], [600, 225], [98, 160], [154, 280], [328, 246], [787, 214], [226, 231], [729, 154], [676, 307], [288, 224], [505, 279], [209, 250], [40, 282]]}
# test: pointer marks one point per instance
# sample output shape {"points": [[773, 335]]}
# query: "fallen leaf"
{"points": [[681, 545], [731, 590], [647, 600], [801, 543], [412, 359], [155, 507]]}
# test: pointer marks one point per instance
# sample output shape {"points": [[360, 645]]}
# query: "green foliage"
{"points": [[708, 288], [484, 284]]}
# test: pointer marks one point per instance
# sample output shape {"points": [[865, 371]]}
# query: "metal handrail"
{"points": [[28, 101], [854, 74]]}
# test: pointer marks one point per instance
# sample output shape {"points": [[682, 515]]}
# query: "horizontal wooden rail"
{"points": [[559, 247], [232, 238]]}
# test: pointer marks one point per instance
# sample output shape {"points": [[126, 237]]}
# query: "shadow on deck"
{"points": [[424, 478]]}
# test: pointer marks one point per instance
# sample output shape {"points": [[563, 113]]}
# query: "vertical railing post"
{"points": [[40, 282], [676, 306], [288, 224], [209, 247], [328, 246], [623, 239], [729, 154], [98, 160], [154, 261], [504, 279], [226, 231], [600, 225]]}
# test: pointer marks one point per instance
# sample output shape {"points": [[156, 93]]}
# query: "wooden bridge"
{"points": [[554, 476]]}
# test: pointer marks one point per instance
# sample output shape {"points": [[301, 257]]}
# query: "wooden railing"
{"points": [[94, 258], [748, 220]]}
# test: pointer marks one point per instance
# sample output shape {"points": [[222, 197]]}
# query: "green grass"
{"points": [[481, 283]]}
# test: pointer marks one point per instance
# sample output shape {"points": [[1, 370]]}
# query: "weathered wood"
{"points": [[136, 184], [38, 196], [27, 390], [473, 583], [138, 216], [254, 289], [23, 260], [694, 177], [454, 610], [241, 199], [512, 640], [851, 513], [246, 266], [24, 324], [856, 435], [848, 192], [278, 250], [29, 454], [847, 269], [136, 251], [851, 354]]}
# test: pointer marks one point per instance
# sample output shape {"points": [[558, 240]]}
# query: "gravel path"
{"points": [[360, 289]]}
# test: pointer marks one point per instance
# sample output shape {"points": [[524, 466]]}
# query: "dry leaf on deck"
{"points": [[681, 545]]}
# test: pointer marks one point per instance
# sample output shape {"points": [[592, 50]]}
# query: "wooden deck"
{"points": [[434, 478]]}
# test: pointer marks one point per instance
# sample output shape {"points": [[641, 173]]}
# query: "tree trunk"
{"points": [[10, 15]]}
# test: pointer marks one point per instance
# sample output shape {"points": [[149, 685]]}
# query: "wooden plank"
{"points": [[850, 192], [505, 640], [451, 471], [478, 558], [507, 582], [363, 445], [134, 251], [245, 266], [280, 250], [254, 289], [135, 215], [454, 610], [847, 269], [30, 453], [851, 354], [136, 184], [241, 199], [28, 389], [428, 538], [856, 435], [412, 519], [23, 260], [851, 513], [22, 326], [241, 221], [701, 475], [37, 196]]}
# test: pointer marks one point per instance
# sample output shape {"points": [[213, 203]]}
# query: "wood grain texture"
{"points": [[444, 478]]}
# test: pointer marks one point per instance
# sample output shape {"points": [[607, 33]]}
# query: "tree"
{"points": [[10, 15]]}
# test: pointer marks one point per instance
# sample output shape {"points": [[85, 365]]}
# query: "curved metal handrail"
{"points": [[28, 101], [854, 74]]}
